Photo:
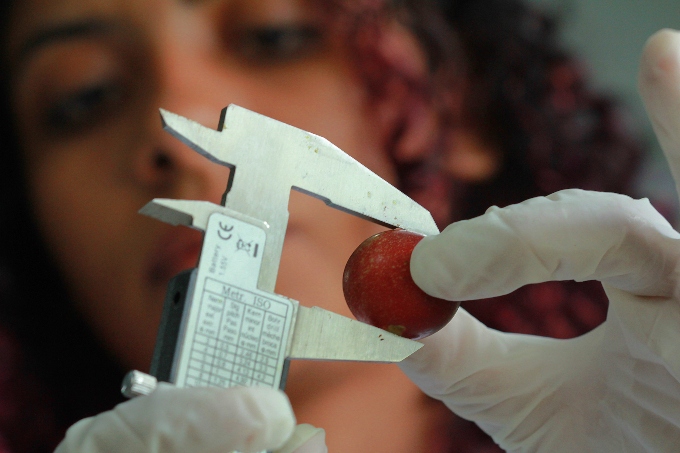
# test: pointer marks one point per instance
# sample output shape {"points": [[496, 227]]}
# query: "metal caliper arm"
{"points": [[319, 334], [268, 158]]}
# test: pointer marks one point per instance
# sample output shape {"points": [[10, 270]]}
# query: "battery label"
{"points": [[234, 333]]}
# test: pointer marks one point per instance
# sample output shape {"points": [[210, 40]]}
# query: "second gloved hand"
{"points": [[197, 420]]}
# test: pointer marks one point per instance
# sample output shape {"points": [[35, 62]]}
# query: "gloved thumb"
{"points": [[569, 235], [660, 90]]}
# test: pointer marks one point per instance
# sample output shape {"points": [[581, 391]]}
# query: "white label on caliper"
{"points": [[234, 333]]}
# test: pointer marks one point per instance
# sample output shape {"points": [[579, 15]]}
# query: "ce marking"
{"points": [[226, 229]]}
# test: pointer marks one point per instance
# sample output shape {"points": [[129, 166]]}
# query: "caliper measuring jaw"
{"points": [[222, 323]]}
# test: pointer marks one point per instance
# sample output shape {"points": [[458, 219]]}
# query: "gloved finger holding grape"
{"points": [[616, 388]]}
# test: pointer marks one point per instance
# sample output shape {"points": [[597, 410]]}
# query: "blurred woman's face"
{"points": [[88, 79]]}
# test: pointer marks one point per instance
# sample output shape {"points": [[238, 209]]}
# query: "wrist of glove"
{"points": [[198, 420], [616, 388]]}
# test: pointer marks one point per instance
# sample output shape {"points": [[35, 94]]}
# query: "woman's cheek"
{"points": [[97, 239]]}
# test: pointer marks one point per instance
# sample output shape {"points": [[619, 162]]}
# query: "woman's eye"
{"points": [[273, 44], [84, 107]]}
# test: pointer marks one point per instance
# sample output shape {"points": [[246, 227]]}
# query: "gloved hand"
{"points": [[197, 420], [615, 389]]}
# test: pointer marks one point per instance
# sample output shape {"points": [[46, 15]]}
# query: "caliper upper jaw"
{"points": [[192, 213]]}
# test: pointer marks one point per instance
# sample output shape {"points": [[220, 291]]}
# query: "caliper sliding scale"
{"points": [[222, 323]]}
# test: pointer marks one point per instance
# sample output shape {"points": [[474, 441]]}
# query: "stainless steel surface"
{"points": [[269, 158], [137, 383], [224, 325], [324, 335], [318, 333], [194, 214], [229, 327]]}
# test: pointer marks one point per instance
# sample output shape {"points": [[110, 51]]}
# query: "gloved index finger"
{"points": [[570, 235], [659, 85]]}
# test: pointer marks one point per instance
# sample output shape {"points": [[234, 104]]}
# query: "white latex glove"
{"points": [[615, 389], [196, 420]]}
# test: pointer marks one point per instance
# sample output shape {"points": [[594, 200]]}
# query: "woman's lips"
{"points": [[176, 251]]}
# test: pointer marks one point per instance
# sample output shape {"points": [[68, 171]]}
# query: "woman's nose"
{"points": [[192, 85], [168, 168]]}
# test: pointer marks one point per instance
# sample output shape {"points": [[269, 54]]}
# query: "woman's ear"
{"points": [[401, 92], [420, 111], [430, 109], [469, 158]]}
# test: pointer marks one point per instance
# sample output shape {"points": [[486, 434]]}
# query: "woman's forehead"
{"points": [[32, 19]]}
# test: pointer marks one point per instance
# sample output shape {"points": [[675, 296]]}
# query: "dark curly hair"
{"points": [[522, 92], [532, 99], [529, 99]]}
